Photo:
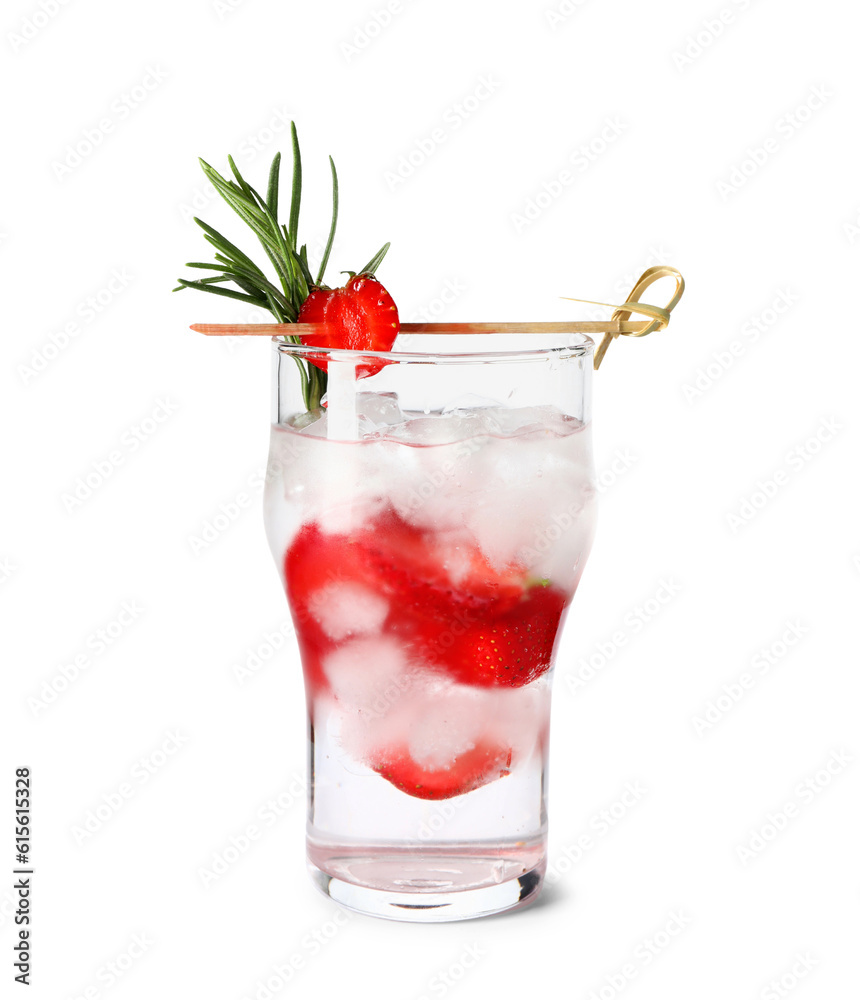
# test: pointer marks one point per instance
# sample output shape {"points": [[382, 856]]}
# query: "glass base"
{"points": [[455, 887]]}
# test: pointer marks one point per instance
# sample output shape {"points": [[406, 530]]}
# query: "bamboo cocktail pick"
{"points": [[619, 325]]}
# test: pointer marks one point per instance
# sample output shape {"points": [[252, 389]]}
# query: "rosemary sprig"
{"points": [[293, 282]]}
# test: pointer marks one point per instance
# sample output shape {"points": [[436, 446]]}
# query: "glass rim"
{"points": [[583, 347]]}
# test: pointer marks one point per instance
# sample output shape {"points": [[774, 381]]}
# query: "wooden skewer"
{"points": [[304, 329]]}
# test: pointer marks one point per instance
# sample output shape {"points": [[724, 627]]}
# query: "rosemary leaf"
{"points": [[302, 258], [296, 198], [222, 243], [228, 292], [241, 180], [259, 284], [374, 262], [274, 181], [331, 232]]}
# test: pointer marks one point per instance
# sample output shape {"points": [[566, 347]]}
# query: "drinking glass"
{"points": [[430, 520]]}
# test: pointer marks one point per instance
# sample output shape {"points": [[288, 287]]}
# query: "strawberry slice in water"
{"points": [[332, 594], [508, 650], [431, 575], [452, 609], [469, 770]]}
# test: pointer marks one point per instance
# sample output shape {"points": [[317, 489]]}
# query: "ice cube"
{"points": [[352, 514], [338, 483], [430, 486], [435, 720], [302, 421], [518, 717], [345, 609], [378, 409], [367, 673], [445, 428], [560, 541], [313, 424], [439, 721], [524, 419], [500, 523], [535, 494], [446, 728], [381, 695], [435, 482], [471, 401]]}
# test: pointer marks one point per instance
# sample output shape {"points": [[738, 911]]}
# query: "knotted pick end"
{"points": [[659, 315]]}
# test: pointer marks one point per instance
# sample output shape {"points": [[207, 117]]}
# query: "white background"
{"points": [[736, 161]]}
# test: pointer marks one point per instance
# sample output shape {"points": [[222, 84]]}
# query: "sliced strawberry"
{"points": [[361, 316], [509, 650], [483, 627], [429, 576], [311, 653], [478, 766], [316, 559], [315, 562]]}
